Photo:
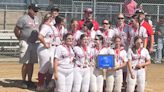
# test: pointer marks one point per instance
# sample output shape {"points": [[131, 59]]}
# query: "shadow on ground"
{"points": [[13, 83]]}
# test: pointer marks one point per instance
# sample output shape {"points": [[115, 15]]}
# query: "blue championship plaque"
{"points": [[105, 61]]}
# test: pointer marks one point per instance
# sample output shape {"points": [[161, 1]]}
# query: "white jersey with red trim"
{"points": [[91, 36], [82, 55], [59, 35], [137, 32], [48, 33], [102, 51], [123, 32], [65, 56], [139, 57], [108, 35], [120, 57]]}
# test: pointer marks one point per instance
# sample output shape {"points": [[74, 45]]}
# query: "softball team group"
{"points": [[68, 56]]}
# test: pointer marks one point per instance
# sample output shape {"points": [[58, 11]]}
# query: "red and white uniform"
{"points": [[44, 54], [59, 33], [65, 56], [114, 79], [137, 32], [97, 78], [82, 69], [91, 35], [148, 27], [108, 35], [123, 32], [135, 58]]}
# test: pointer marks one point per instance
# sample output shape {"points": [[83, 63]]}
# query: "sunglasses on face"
{"points": [[69, 39], [105, 23], [96, 39], [120, 18]]}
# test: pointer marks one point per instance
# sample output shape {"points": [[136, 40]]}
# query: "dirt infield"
{"points": [[10, 77]]}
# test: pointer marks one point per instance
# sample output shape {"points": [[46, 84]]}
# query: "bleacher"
{"points": [[9, 45]]}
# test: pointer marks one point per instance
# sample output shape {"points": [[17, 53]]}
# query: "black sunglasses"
{"points": [[120, 18], [96, 39], [106, 23]]}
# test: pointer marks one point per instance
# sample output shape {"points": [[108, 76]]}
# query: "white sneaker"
{"points": [[157, 62]]}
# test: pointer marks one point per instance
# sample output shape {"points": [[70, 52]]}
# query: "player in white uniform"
{"points": [[54, 13], [107, 32], [97, 75], [74, 29], [64, 64], [59, 30], [122, 30], [88, 30], [114, 77], [45, 52], [137, 30], [138, 59], [82, 68]]}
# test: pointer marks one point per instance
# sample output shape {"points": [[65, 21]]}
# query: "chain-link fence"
{"points": [[11, 10], [74, 9]]}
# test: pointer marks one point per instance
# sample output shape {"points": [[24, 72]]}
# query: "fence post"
{"points": [[4, 26], [110, 12], [82, 10], [94, 9], [157, 12], [120, 8]]}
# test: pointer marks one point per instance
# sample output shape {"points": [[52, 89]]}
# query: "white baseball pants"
{"points": [[65, 80], [45, 59], [139, 80], [81, 79], [97, 80]]}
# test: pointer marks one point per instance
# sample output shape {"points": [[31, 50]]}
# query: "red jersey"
{"points": [[95, 24], [148, 27]]}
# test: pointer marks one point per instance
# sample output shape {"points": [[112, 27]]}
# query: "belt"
{"points": [[135, 68], [54, 45], [81, 66]]}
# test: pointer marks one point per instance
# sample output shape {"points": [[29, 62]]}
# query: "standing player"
{"points": [[64, 64], [82, 69], [54, 13], [138, 59], [114, 78], [108, 33], [26, 31], [147, 26], [122, 30], [59, 30], [45, 52], [88, 30], [74, 29], [137, 30], [97, 75]]}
